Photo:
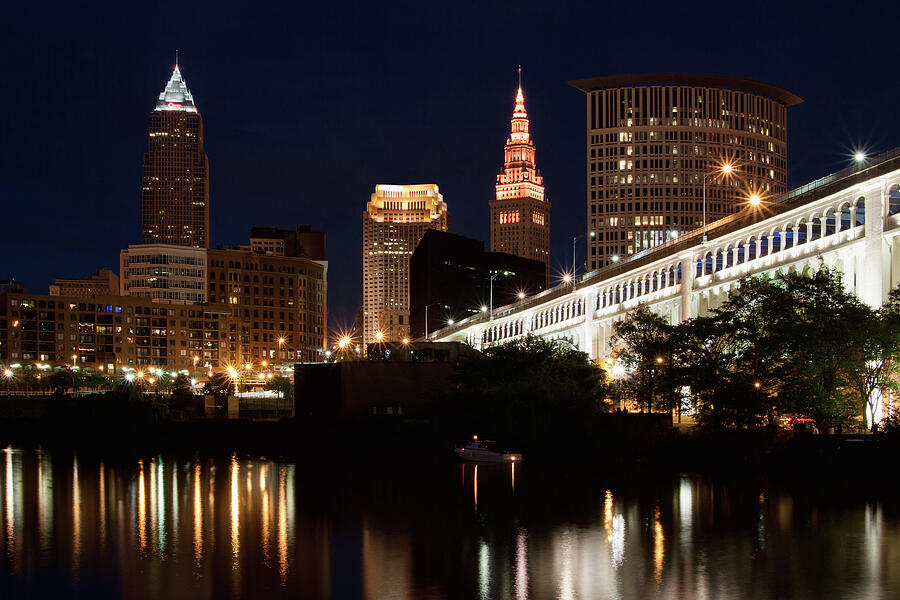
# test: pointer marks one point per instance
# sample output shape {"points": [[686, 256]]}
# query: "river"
{"points": [[167, 527]]}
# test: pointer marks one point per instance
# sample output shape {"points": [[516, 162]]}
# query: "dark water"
{"points": [[194, 527]]}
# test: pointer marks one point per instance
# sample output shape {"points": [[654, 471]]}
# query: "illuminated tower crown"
{"points": [[520, 216]]}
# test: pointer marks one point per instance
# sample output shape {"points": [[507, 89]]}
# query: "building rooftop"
{"points": [[784, 96], [176, 96]]}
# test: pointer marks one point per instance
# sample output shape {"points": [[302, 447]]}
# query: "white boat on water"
{"points": [[477, 450]]}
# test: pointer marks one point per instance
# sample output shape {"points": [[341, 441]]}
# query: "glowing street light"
{"points": [[8, 373], [724, 169], [859, 156], [754, 200], [521, 295], [344, 342], [450, 321], [74, 358], [567, 278], [196, 358], [614, 258], [483, 308], [379, 336], [405, 341]]}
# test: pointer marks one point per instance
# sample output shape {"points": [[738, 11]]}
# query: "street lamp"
{"points": [[726, 170], [754, 200], [74, 358], [859, 156], [575, 239], [493, 277]]}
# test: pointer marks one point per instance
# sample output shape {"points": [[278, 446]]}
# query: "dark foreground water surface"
{"points": [[197, 527]]}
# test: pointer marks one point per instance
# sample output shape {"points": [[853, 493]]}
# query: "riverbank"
{"points": [[614, 445]]}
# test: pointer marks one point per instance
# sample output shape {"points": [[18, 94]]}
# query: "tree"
{"points": [[283, 385], [646, 341], [871, 364], [218, 385], [529, 391]]}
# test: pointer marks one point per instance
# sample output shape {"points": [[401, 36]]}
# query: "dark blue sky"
{"points": [[306, 107]]}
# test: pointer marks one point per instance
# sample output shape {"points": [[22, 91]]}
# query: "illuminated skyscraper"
{"points": [[520, 216], [395, 220], [652, 141], [175, 199]]}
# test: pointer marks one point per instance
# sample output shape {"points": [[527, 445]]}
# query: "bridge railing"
{"points": [[876, 166]]}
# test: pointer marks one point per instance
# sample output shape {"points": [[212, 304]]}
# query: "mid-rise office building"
{"points": [[396, 218], [175, 197], [165, 273], [455, 278], [102, 283], [520, 213], [655, 141]]}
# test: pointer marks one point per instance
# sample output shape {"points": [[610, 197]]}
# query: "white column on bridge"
{"points": [[687, 285], [872, 293], [587, 334]]}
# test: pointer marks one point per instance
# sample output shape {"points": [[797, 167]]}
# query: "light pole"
{"points": [[575, 238], [725, 169], [494, 276]]}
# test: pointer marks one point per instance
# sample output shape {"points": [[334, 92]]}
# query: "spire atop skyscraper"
{"points": [[176, 96], [520, 217]]}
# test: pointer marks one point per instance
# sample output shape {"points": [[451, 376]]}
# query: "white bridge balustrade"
{"points": [[848, 220]]}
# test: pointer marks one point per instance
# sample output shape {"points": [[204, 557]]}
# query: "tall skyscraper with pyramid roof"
{"points": [[175, 198], [520, 214]]}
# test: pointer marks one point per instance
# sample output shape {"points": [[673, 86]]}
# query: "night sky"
{"points": [[307, 106]]}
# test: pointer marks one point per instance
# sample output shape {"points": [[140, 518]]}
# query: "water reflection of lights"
{"points": [[608, 515], [142, 508], [235, 515], [512, 467], [658, 545], [521, 585], [265, 514], [160, 507], [685, 511], [175, 503], [566, 585], [484, 568], [102, 503], [282, 525], [45, 501], [198, 516], [76, 521], [475, 487], [618, 540], [13, 544]]}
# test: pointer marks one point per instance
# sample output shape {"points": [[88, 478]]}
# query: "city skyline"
{"points": [[320, 145]]}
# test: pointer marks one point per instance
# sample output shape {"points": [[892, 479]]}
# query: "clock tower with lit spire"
{"points": [[520, 214]]}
